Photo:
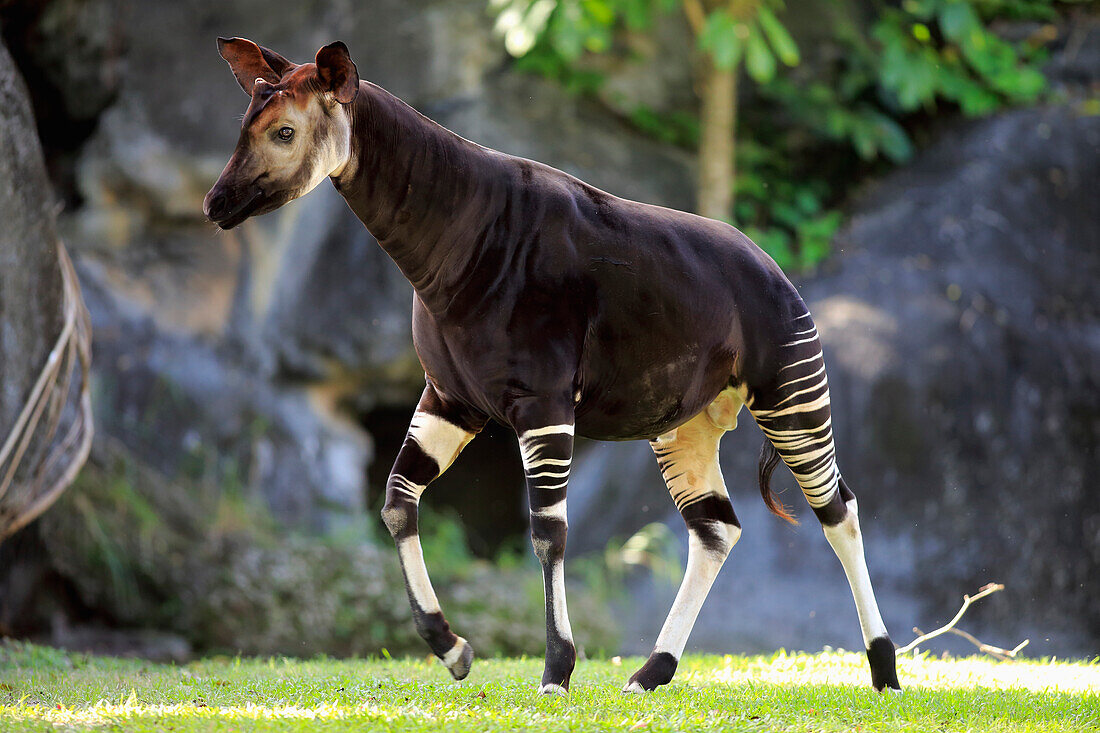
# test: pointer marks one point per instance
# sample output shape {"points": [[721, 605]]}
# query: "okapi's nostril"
{"points": [[215, 206]]}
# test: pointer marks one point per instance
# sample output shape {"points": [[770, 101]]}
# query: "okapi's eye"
{"points": [[285, 133]]}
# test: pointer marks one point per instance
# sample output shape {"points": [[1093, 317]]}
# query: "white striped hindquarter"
{"points": [[795, 415]]}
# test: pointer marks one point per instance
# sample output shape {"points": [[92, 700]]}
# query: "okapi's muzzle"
{"points": [[229, 206]]}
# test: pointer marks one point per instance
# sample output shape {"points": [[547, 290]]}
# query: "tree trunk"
{"points": [[717, 125]]}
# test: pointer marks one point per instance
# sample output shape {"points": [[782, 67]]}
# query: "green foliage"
{"points": [[784, 213], [553, 35], [926, 52], [840, 113], [569, 28], [785, 48], [676, 128], [721, 37], [754, 34], [922, 53], [43, 689], [944, 49]]}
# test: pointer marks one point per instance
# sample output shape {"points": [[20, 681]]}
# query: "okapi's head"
{"points": [[295, 133]]}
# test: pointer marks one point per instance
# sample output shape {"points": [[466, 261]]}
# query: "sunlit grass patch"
{"points": [[844, 668], [42, 689]]}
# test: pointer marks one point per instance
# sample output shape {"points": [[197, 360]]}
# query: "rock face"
{"points": [[30, 279], [32, 317], [962, 333], [973, 362], [45, 349]]}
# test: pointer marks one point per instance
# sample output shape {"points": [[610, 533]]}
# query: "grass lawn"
{"points": [[44, 689]]}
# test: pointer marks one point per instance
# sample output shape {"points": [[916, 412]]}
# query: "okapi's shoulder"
{"points": [[641, 221], [570, 196]]}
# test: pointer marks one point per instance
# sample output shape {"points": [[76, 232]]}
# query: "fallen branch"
{"points": [[949, 628]]}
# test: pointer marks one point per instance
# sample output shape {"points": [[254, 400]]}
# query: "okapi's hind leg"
{"points": [[688, 458], [795, 416], [436, 436]]}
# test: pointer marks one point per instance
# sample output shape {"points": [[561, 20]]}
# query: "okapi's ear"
{"points": [[277, 63], [337, 72], [247, 62]]}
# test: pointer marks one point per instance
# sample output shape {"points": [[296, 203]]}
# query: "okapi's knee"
{"points": [[548, 535], [713, 521], [839, 507], [399, 515]]}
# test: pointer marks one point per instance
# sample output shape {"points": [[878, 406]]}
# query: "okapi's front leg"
{"points": [[436, 436], [546, 445]]}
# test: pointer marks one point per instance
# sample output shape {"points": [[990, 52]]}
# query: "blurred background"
{"points": [[927, 171]]}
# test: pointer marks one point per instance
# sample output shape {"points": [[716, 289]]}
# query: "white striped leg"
{"points": [[847, 541], [547, 453], [796, 417], [430, 446], [688, 457]]}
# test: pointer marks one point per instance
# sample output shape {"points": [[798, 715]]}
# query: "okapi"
{"points": [[557, 309]]}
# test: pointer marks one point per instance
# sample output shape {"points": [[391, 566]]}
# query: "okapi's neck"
{"points": [[418, 188]]}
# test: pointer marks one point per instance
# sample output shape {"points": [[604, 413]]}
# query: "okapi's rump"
{"points": [[559, 310]]}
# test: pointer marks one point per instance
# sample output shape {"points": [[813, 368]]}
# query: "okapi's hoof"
{"points": [[553, 689], [657, 670], [459, 659], [884, 673]]}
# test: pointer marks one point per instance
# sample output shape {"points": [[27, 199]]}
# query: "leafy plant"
{"points": [[944, 49], [787, 214], [748, 31]]}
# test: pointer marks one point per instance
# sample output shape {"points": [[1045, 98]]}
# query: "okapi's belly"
{"points": [[651, 402]]}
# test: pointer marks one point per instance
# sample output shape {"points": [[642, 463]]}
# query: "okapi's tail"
{"points": [[769, 457]]}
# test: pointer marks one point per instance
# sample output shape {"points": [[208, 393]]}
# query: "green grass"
{"points": [[44, 689]]}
